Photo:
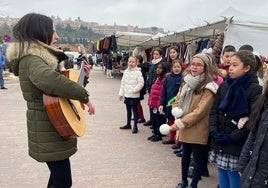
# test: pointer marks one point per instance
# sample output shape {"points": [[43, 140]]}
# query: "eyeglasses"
{"points": [[197, 65]]}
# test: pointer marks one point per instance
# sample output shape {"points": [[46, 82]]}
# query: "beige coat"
{"points": [[195, 122]]}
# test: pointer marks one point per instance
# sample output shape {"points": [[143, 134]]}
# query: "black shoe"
{"points": [[205, 173], [134, 130], [168, 142], [156, 138], [3, 87], [126, 127], [150, 137], [147, 123], [177, 151], [141, 121], [179, 154], [191, 173], [175, 146], [182, 184]]}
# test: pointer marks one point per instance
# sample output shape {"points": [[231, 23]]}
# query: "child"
{"points": [[218, 79], [227, 52], [154, 101], [173, 54], [195, 98], [252, 165], [109, 67], [170, 90], [141, 118], [157, 54], [229, 113], [131, 84]]}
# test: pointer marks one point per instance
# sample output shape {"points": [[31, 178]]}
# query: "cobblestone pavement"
{"points": [[107, 157]]}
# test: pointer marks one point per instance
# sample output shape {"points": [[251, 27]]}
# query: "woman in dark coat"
{"points": [[252, 165]]}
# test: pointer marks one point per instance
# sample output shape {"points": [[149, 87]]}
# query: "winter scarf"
{"points": [[155, 61], [191, 82], [235, 101]]}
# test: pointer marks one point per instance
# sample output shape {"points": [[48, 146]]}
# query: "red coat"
{"points": [[155, 94]]}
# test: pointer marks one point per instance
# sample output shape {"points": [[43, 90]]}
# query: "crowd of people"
{"points": [[216, 97], [223, 105]]}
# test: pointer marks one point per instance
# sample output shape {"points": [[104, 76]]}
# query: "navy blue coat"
{"points": [[170, 89], [220, 121]]}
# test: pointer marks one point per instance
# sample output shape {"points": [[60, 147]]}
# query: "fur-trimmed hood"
{"points": [[212, 86], [50, 55]]}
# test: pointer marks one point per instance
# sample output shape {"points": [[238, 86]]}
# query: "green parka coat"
{"points": [[36, 68]]}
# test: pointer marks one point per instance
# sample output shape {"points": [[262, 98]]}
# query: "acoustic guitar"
{"points": [[67, 115]]}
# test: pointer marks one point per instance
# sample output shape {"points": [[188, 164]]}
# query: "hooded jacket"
{"points": [[35, 67]]}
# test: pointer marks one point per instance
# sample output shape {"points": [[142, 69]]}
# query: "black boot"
{"points": [[126, 127], [182, 184], [135, 129]]}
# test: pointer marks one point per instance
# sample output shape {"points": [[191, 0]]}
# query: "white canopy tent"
{"points": [[204, 31], [239, 29], [131, 39], [246, 29]]}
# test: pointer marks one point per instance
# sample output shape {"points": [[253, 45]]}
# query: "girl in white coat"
{"points": [[131, 84]]}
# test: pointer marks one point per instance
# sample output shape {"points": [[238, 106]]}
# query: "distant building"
{"points": [[102, 29]]}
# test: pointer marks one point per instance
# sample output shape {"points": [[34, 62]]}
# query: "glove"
{"points": [[242, 122], [221, 138], [160, 109]]}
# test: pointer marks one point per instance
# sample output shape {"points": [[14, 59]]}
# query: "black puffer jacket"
{"points": [[220, 121], [253, 159]]}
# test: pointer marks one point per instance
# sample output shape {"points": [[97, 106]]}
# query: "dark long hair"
{"points": [[169, 60], [33, 27], [247, 58], [164, 70]]}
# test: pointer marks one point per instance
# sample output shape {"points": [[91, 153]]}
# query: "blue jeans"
{"points": [[228, 178], [1, 78]]}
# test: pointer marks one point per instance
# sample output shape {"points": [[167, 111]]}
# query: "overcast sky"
{"points": [[168, 14]]}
